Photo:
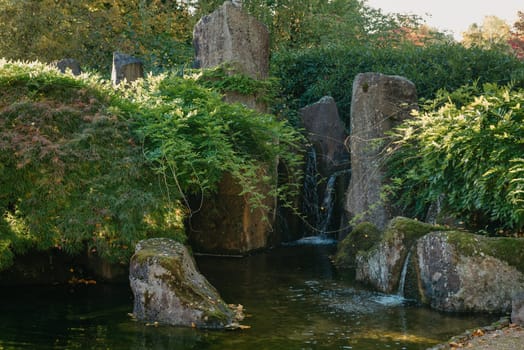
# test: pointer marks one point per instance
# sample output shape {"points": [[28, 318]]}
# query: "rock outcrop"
{"points": [[227, 224], [452, 271], [168, 288], [126, 68], [381, 266], [326, 132], [379, 103], [462, 272]]}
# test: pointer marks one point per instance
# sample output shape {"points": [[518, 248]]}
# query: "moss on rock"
{"points": [[508, 249], [169, 289], [364, 236], [409, 229]]}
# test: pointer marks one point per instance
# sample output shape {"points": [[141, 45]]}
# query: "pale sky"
{"points": [[455, 16]]}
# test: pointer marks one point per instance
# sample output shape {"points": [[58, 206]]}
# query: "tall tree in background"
{"points": [[160, 31], [493, 33], [516, 40], [90, 30]]}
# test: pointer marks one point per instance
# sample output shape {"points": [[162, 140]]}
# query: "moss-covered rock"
{"points": [[463, 272], [361, 238], [381, 266], [168, 288]]}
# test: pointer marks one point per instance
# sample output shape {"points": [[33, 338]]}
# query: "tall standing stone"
{"points": [[126, 67], [231, 35], [379, 103], [226, 223]]}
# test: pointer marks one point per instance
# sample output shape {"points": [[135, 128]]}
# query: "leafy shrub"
{"points": [[86, 166], [470, 151]]}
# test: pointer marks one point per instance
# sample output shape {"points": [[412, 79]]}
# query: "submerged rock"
{"points": [[168, 289], [463, 272]]}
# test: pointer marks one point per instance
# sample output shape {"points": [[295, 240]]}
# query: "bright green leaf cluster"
{"points": [[88, 167], [470, 154]]}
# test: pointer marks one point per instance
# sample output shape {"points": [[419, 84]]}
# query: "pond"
{"points": [[293, 296]]}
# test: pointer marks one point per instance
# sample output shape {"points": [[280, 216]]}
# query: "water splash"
{"points": [[312, 240]]}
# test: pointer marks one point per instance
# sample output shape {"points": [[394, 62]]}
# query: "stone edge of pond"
{"points": [[458, 341]]}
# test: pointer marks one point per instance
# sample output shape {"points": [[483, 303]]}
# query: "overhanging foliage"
{"points": [[467, 148], [87, 167]]}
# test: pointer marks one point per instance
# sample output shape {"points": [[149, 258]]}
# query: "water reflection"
{"points": [[295, 298]]}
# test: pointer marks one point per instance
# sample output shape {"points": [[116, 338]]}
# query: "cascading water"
{"points": [[310, 206], [319, 197], [402, 281], [326, 209]]}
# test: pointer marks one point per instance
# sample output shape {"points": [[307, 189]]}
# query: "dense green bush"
{"points": [[86, 166], [307, 75], [466, 147]]}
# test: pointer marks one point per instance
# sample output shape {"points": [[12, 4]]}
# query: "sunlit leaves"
{"points": [[471, 154]]}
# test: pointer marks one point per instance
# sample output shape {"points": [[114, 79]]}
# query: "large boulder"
{"points": [[379, 103], [381, 266], [327, 133], [462, 272], [168, 288]]}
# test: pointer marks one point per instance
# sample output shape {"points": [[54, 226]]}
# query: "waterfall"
{"points": [[402, 282], [310, 206], [326, 209], [319, 198]]}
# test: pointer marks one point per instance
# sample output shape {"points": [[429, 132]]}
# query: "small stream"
{"points": [[294, 297]]}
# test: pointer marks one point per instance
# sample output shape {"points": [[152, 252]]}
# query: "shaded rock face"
{"points": [[126, 67], [379, 103], [230, 35], [168, 289], [327, 133], [226, 223], [453, 279], [381, 266], [66, 64]]}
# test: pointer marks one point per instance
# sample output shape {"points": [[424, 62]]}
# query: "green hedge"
{"points": [[308, 75]]}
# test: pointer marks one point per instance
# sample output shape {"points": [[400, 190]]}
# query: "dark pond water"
{"points": [[295, 298]]}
